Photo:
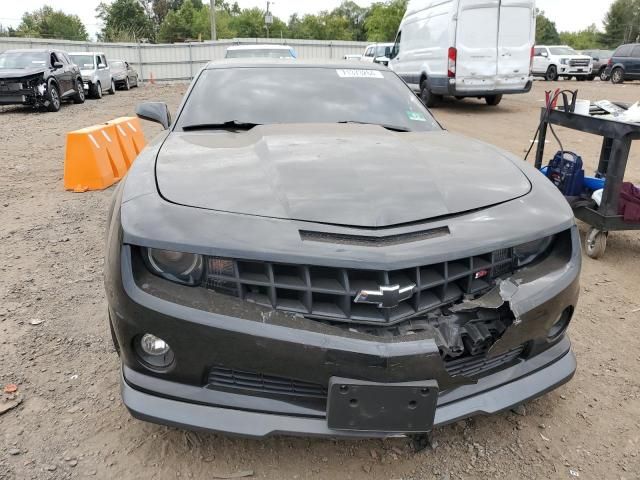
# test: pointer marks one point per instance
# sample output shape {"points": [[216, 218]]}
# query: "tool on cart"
{"points": [[565, 172]]}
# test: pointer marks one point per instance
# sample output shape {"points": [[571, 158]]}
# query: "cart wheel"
{"points": [[596, 243]]}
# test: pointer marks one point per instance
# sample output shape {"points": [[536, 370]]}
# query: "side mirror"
{"points": [[57, 65], [544, 54], [101, 66], [155, 112]]}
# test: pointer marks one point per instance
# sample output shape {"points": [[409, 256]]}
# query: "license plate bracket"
{"points": [[357, 405]]}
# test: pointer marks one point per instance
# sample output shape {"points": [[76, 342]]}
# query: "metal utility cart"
{"points": [[617, 138]]}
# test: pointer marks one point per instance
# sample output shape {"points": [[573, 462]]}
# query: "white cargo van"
{"points": [[466, 48]]}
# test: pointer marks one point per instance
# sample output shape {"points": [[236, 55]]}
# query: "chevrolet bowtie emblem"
{"points": [[387, 296]]}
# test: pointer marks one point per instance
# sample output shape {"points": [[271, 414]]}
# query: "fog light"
{"points": [[154, 351], [561, 325]]}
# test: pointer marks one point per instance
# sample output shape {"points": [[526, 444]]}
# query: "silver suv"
{"points": [[96, 73]]}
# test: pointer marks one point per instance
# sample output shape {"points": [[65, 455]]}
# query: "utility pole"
{"points": [[268, 18], [214, 35]]}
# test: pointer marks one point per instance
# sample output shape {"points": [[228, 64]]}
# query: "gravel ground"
{"points": [[54, 343]]}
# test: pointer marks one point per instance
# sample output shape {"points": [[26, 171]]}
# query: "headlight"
{"points": [[564, 61], [185, 268], [528, 252]]}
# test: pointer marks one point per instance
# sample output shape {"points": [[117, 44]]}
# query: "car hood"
{"points": [[355, 175], [20, 72]]}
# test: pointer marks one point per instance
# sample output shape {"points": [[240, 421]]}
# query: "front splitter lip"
{"points": [[166, 411]]}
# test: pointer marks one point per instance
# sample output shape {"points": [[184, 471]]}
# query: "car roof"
{"points": [[259, 47], [284, 63], [34, 50]]}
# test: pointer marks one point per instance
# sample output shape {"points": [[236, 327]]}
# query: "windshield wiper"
{"points": [[228, 125], [393, 128]]}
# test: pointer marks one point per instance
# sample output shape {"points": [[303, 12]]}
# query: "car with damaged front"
{"points": [[305, 250], [39, 78]]}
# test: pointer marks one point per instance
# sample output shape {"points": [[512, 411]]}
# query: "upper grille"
{"points": [[329, 293], [580, 62]]}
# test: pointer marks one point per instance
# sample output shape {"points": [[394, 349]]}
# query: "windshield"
{"points": [[382, 51], [268, 95], [85, 62], [562, 51], [260, 53], [23, 59]]}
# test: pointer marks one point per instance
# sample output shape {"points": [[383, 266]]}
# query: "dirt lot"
{"points": [[71, 423]]}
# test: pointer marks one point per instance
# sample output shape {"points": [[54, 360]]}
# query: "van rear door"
{"points": [[515, 39], [476, 43]]}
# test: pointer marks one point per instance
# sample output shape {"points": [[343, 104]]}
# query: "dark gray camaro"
{"points": [[304, 250]]}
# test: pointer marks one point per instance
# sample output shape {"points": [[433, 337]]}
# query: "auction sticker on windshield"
{"points": [[353, 73]]}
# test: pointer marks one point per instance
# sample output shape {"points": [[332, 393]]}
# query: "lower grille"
{"points": [[237, 379], [229, 379], [478, 366]]}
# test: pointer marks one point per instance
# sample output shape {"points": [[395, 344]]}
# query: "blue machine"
{"points": [[565, 172]]}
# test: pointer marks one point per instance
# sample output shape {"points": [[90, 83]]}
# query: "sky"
{"points": [[568, 14]]}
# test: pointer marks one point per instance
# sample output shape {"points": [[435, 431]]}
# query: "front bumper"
{"points": [[182, 406], [574, 71]]}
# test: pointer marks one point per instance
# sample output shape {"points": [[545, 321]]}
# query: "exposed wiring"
{"points": [[545, 119]]}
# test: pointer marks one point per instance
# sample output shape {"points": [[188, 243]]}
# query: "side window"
{"points": [[395, 50], [624, 51], [537, 52], [98, 62], [635, 53], [54, 58], [61, 56], [369, 52]]}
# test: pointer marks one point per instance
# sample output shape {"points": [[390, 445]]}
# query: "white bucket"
{"points": [[582, 107]]}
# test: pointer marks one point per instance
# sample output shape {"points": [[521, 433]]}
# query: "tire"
{"points": [[617, 75], [596, 243], [127, 86], [95, 90], [603, 74], [112, 90], [493, 100], [552, 74], [79, 96], [53, 97], [428, 98]]}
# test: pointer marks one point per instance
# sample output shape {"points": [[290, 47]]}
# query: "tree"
{"points": [[586, 39], [621, 23], [186, 23], [383, 20], [249, 23], [546, 31], [49, 23], [124, 20], [7, 31], [356, 16]]}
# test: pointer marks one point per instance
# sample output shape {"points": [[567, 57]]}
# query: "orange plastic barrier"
{"points": [[130, 137], [93, 159]]}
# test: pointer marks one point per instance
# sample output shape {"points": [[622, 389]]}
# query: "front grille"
{"points": [[329, 293], [230, 380], [237, 379], [480, 365], [580, 63]]}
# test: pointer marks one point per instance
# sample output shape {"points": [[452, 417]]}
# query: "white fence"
{"points": [[181, 61]]}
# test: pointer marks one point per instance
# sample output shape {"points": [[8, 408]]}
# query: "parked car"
{"points": [[555, 61], [378, 53], [260, 51], [40, 78], [96, 72], [272, 269], [465, 48], [600, 61], [123, 74], [624, 64]]}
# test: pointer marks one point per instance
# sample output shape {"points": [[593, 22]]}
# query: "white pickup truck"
{"points": [[555, 61]]}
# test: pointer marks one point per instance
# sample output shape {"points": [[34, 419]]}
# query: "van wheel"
{"points": [[428, 98], [617, 76], [493, 100], [95, 90], [552, 74]]}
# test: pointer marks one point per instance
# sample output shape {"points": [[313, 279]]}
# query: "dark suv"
{"points": [[40, 78], [624, 64]]}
